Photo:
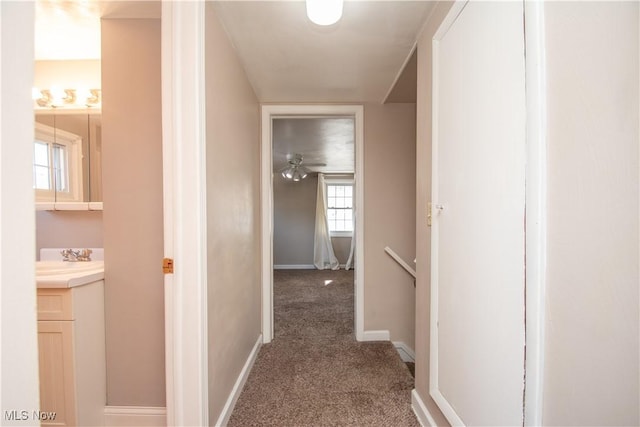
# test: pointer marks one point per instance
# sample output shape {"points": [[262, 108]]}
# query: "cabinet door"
{"points": [[57, 382]]}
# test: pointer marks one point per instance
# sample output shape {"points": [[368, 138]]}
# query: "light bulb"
{"points": [[324, 12]]}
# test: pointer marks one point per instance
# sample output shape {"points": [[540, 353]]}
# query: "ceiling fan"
{"points": [[295, 171]]}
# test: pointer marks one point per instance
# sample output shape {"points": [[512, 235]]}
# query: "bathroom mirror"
{"points": [[67, 165]]}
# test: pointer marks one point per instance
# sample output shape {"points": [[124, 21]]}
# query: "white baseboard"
{"points": [[420, 409], [223, 419], [130, 416], [376, 336], [406, 353], [294, 267]]}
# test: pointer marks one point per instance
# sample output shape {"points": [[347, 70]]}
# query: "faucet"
{"points": [[73, 256]]}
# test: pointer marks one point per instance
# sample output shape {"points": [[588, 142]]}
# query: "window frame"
{"points": [[328, 181], [73, 145]]}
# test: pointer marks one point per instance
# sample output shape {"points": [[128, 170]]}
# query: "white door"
{"points": [[478, 233]]}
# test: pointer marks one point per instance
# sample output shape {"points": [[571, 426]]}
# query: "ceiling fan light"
{"points": [[288, 173], [324, 12]]}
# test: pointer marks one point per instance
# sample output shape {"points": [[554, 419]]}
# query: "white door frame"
{"points": [[184, 186], [535, 205], [535, 210], [19, 381], [266, 183]]}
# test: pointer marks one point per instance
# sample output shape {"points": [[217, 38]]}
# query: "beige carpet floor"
{"points": [[314, 373]]}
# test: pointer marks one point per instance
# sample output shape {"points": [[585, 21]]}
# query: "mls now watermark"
{"points": [[22, 415]]}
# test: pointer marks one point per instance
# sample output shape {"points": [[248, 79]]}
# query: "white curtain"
{"points": [[352, 251], [323, 256]]}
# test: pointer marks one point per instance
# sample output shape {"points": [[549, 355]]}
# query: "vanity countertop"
{"points": [[62, 274]]}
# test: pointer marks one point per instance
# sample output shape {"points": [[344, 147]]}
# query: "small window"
{"points": [[340, 208], [57, 171]]}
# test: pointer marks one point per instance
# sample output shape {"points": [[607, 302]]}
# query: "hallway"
{"points": [[314, 373]]}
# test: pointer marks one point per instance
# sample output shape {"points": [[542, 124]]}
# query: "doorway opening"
{"points": [[274, 114]]}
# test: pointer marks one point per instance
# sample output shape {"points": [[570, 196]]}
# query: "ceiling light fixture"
{"points": [[57, 97], [294, 170], [324, 12]]}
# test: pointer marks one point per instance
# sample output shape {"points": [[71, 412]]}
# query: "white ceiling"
{"points": [[289, 59], [328, 140], [70, 29], [286, 57]]}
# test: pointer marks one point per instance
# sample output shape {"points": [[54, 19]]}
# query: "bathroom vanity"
{"points": [[71, 340]]}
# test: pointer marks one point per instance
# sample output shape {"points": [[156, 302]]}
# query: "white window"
{"points": [[57, 160], [340, 207]]}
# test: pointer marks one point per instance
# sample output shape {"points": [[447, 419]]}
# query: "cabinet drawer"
{"points": [[55, 304]]}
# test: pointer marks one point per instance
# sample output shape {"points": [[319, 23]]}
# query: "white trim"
{"points": [[328, 181], [536, 209], [121, 416], [184, 193], [223, 419], [406, 353], [266, 214], [266, 185], [381, 335], [294, 267], [69, 206], [343, 234], [420, 409], [18, 332]]}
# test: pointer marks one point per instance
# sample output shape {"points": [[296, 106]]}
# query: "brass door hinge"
{"points": [[167, 266]]}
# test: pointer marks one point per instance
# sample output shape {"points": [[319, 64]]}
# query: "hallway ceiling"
{"points": [[289, 59], [286, 57]]}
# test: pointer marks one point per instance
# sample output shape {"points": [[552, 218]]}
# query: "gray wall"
{"points": [[294, 212], [294, 216]]}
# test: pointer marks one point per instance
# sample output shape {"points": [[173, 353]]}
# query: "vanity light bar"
{"points": [[58, 98]]}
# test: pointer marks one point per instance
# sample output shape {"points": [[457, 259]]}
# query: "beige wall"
{"points": [[233, 214], [389, 218], [72, 229], [132, 217], [591, 365], [67, 74]]}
